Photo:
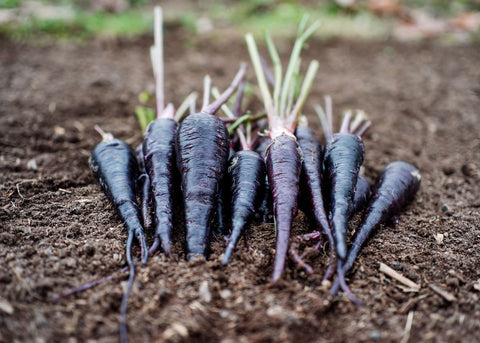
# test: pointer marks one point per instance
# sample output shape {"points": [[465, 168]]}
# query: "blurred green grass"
{"points": [[281, 17]]}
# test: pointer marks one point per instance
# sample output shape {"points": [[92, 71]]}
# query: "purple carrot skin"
{"points": [[202, 153], [311, 179], [115, 165], [246, 173], [343, 157], [202, 149], [396, 186], [283, 155], [159, 154], [284, 165]]}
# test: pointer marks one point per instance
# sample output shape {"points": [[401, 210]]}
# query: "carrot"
{"points": [[283, 155], [115, 165], [343, 157], [159, 152], [395, 187], [312, 169], [202, 152], [246, 173], [245, 178]]}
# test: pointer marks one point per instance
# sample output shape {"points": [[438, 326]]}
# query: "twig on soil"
{"points": [[399, 277], [23, 181], [444, 294], [408, 328]]}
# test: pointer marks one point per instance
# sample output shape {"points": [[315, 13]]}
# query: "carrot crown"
{"points": [[283, 108]]}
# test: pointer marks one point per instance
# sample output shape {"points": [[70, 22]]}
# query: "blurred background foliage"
{"points": [[37, 20]]}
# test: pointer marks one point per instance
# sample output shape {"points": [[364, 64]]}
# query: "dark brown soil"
{"points": [[58, 230]]}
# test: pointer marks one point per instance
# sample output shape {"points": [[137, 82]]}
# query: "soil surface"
{"points": [[58, 230]]}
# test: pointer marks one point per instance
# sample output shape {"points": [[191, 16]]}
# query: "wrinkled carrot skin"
{"points": [[115, 165], [246, 174], [202, 152], [284, 165], [311, 180], [342, 160], [160, 164]]}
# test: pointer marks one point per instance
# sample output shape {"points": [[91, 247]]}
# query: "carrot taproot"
{"points": [[202, 150], [344, 153], [115, 165], [283, 155], [395, 187], [246, 174], [158, 149]]}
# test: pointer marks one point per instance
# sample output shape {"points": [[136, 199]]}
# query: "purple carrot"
{"points": [[395, 187], [202, 152], [343, 157], [284, 164], [159, 154], [246, 173], [311, 179], [158, 150], [115, 165], [283, 156]]}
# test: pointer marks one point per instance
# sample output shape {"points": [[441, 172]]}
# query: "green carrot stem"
{"points": [[262, 82], [238, 122], [277, 68], [306, 86], [182, 110], [295, 55]]}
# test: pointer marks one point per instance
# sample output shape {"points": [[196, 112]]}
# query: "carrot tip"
{"points": [[227, 255]]}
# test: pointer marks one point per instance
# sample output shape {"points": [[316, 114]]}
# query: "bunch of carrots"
{"points": [[241, 166]]}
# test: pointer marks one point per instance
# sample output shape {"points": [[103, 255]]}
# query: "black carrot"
{"points": [[159, 150], [343, 157], [311, 181], [283, 155], [202, 153], [115, 165], [396, 186], [246, 173]]}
